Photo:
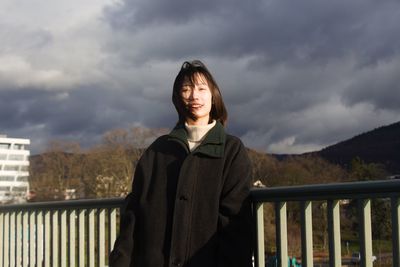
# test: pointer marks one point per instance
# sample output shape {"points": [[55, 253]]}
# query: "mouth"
{"points": [[195, 106]]}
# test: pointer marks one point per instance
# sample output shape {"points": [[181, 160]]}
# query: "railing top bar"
{"points": [[349, 190], [68, 204]]}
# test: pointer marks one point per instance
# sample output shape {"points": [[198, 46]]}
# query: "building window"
{"points": [[3, 156], [19, 188], [16, 157], [4, 188], [24, 168], [18, 147], [11, 167], [22, 178], [6, 178], [4, 146]]}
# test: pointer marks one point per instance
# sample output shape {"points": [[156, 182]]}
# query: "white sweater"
{"points": [[197, 133]]}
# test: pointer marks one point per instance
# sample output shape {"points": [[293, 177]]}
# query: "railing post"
{"points": [[55, 239], [395, 205], [25, 239], [72, 238], [112, 222], [365, 232], [101, 237], [39, 239], [7, 239], [281, 233], [306, 234], [91, 241], [32, 238], [18, 241], [63, 234], [47, 238], [2, 238], [335, 254], [81, 239], [259, 252]]}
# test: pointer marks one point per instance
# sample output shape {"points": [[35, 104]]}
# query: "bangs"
{"points": [[193, 78]]}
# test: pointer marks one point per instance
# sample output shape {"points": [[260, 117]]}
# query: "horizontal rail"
{"points": [[350, 190], [67, 204]]}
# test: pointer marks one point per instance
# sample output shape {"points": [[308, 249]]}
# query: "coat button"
{"points": [[176, 263], [183, 198]]}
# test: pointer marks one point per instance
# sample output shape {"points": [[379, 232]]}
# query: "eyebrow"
{"points": [[192, 85], [202, 83]]}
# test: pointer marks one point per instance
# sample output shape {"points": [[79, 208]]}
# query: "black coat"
{"points": [[188, 208]]}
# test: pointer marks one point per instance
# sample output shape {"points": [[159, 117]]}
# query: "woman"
{"points": [[189, 203]]}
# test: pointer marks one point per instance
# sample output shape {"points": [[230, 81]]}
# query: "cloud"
{"points": [[295, 76], [275, 31], [51, 45], [17, 72], [377, 84]]}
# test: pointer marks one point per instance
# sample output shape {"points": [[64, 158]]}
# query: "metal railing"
{"points": [[63, 233], [82, 232], [363, 192]]}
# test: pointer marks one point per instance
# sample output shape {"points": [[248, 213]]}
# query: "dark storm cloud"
{"points": [[14, 107], [81, 115], [33, 107], [274, 31], [143, 13], [378, 85], [301, 74]]}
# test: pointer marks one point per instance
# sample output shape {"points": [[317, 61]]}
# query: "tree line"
{"points": [[101, 171], [106, 169]]}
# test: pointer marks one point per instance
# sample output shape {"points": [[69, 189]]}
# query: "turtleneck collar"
{"points": [[197, 132]]}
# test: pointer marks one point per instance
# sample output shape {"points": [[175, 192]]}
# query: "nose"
{"points": [[193, 94]]}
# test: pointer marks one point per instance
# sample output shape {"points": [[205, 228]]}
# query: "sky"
{"points": [[296, 76]]}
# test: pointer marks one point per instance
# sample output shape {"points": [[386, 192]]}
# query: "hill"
{"points": [[381, 145]]}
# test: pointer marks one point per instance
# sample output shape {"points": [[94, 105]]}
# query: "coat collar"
{"points": [[212, 145]]}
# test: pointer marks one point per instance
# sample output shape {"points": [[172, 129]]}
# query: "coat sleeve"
{"points": [[235, 216], [121, 255]]}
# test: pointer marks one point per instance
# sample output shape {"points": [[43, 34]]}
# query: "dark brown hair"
{"points": [[189, 72]]}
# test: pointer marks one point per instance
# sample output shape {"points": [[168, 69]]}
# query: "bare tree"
{"points": [[110, 165], [104, 170], [58, 170]]}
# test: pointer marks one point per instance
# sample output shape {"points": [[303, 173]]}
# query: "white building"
{"points": [[14, 165]]}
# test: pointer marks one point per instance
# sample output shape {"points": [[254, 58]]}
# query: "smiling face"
{"points": [[197, 98], [196, 95]]}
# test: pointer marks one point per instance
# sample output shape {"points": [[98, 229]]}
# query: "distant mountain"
{"points": [[381, 145]]}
